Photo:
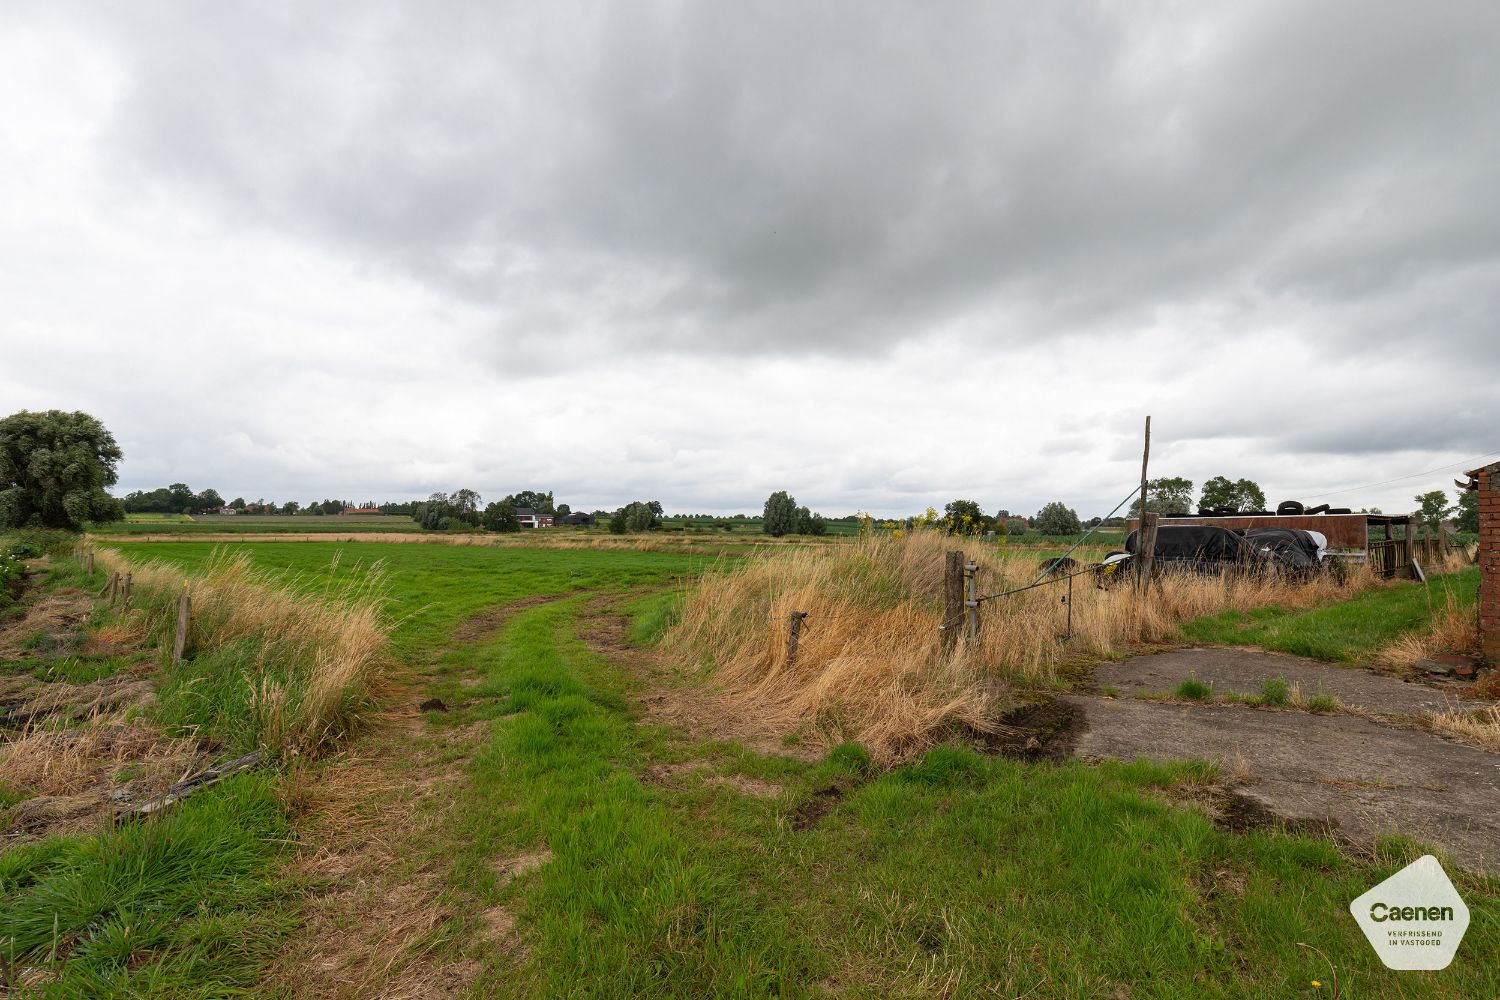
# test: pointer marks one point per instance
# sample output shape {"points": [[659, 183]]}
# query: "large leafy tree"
{"points": [[1242, 494], [501, 517], [1432, 508], [54, 470], [465, 507], [434, 513], [965, 517], [1468, 510], [1057, 518], [1169, 495], [634, 516], [534, 500], [780, 514]]}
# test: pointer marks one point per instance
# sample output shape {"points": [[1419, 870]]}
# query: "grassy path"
{"points": [[584, 854], [538, 839]]}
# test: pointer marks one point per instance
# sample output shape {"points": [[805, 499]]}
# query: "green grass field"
{"points": [[1349, 631], [961, 875], [253, 523]]}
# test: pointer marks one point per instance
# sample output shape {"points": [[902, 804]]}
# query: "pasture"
{"points": [[253, 524], [554, 806]]}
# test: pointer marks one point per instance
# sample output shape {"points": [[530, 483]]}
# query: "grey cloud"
{"points": [[764, 177], [715, 250]]}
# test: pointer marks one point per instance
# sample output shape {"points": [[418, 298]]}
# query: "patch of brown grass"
{"points": [[1454, 629], [53, 761], [54, 614], [378, 924], [871, 665], [1480, 727]]}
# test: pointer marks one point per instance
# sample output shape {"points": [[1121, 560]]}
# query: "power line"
{"points": [[1398, 479]]}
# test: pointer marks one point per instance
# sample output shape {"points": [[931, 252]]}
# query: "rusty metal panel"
{"points": [[1345, 532]]}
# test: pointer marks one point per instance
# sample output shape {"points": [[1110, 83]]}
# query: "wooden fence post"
{"points": [[125, 604], [179, 644], [971, 603], [89, 566], [114, 587], [792, 636], [1411, 547], [953, 597], [1146, 546]]}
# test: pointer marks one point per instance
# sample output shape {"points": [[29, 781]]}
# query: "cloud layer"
{"points": [[879, 254]]}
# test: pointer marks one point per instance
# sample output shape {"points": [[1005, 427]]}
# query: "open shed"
{"points": [[1355, 538]]}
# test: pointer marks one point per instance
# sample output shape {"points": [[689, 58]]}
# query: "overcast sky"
{"points": [[880, 255]]}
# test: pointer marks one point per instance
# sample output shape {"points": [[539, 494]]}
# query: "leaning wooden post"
{"points": [[1146, 547], [953, 597], [793, 635], [179, 644], [114, 587], [971, 603], [1145, 459]]}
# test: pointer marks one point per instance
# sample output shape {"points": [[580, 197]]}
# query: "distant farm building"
{"points": [[528, 518], [578, 520]]}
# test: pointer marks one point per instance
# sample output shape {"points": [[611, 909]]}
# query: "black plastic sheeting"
{"points": [[1292, 546], [1207, 549], [1198, 543]]}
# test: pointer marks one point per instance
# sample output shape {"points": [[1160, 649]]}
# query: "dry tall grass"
{"points": [[316, 659], [1455, 629], [1480, 727], [870, 664]]}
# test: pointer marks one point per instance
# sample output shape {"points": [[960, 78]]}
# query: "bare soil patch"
{"points": [[667, 774], [1042, 730], [1230, 670], [753, 787], [522, 864], [492, 620], [1359, 777], [811, 810]]}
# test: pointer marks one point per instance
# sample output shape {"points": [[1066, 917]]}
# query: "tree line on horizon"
{"points": [[56, 468]]}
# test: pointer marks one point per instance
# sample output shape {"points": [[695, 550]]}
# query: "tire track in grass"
{"points": [[378, 922]]}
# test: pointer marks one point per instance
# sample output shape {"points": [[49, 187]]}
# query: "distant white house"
{"points": [[528, 518]]}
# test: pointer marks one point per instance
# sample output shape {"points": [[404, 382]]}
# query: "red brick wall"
{"points": [[1489, 562]]}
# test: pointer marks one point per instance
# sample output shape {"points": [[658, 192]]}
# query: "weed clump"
{"points": [[1275, 692], [1321, 704], [1193, 689]]}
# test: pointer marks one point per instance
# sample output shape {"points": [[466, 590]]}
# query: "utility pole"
{"points": [[1140, 534]]}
